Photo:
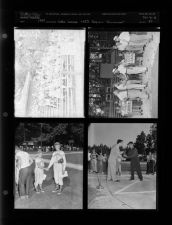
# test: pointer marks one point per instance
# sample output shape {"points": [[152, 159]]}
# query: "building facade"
{"points": [[101, 44]]}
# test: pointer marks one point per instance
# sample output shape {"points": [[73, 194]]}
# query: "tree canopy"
{"points": [[48, 133], [143, 143], [147, 143]]}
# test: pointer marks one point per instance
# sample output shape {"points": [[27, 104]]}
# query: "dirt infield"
{"points": [[71, 197]]}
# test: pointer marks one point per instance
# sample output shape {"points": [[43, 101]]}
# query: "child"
{"points": [[39, 173], [100, 160], [105, 164], [89, 162], [118, 163], [94, 161]]}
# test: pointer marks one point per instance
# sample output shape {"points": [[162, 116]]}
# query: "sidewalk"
{"points": [[150, 60], [123, 195]]}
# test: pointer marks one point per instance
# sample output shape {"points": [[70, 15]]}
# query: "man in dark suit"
{"points": [[132, 154]]}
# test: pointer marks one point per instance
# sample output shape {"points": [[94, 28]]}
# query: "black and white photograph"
{"points": [[84, 103], [49, 72], [49, 166], [122, 165], [123, 74]]}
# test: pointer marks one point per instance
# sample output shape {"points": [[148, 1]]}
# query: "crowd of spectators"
{"points": [[49, 148]]}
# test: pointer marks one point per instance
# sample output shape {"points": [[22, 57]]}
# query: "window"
{"points": [[108, 97], [108, 89], [106, 58]]}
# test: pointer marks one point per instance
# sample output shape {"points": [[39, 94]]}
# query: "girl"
{"points": [[39, 173], [94, 161], [100, 160]]}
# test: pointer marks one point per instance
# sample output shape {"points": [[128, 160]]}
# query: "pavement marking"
{"points": [[136, 192], [70, 165], [124, 188], [116, 198]]}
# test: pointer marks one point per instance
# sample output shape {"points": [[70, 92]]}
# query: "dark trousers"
{"points": [[105, 166], [89, 165], [150, 167], [25, 179], [135, 166]]}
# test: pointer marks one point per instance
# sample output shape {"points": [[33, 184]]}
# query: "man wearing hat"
{"points": [[132, 154], [58, 161]]}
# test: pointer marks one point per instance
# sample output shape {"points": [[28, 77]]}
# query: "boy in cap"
{"points": [[58, 161]]}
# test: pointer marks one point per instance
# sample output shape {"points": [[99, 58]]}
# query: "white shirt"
{"points": [[124, 36], [122, 69], [57, 155], [122, 45], [124, 39], [122, 95], [24, 157], [39, 162]]}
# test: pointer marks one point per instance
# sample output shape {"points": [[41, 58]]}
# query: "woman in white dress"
{"points": [[39, 173], [58, 161]]}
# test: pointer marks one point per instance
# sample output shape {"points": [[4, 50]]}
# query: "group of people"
{"points": [[111, 165], [48, 148], [132, 84], [97, 162], [30, 172], [114, 162], [37, 148]]}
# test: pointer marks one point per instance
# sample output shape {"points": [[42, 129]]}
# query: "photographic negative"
{"points": [[62, 71], [123, 74], [122, 159], [48, 166], [49, 73]]}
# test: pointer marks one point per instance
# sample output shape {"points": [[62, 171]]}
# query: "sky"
{"points": [[108, 133]]}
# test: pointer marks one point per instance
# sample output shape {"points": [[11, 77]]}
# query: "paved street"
{"points": [[123, 195], [71, 197]]}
